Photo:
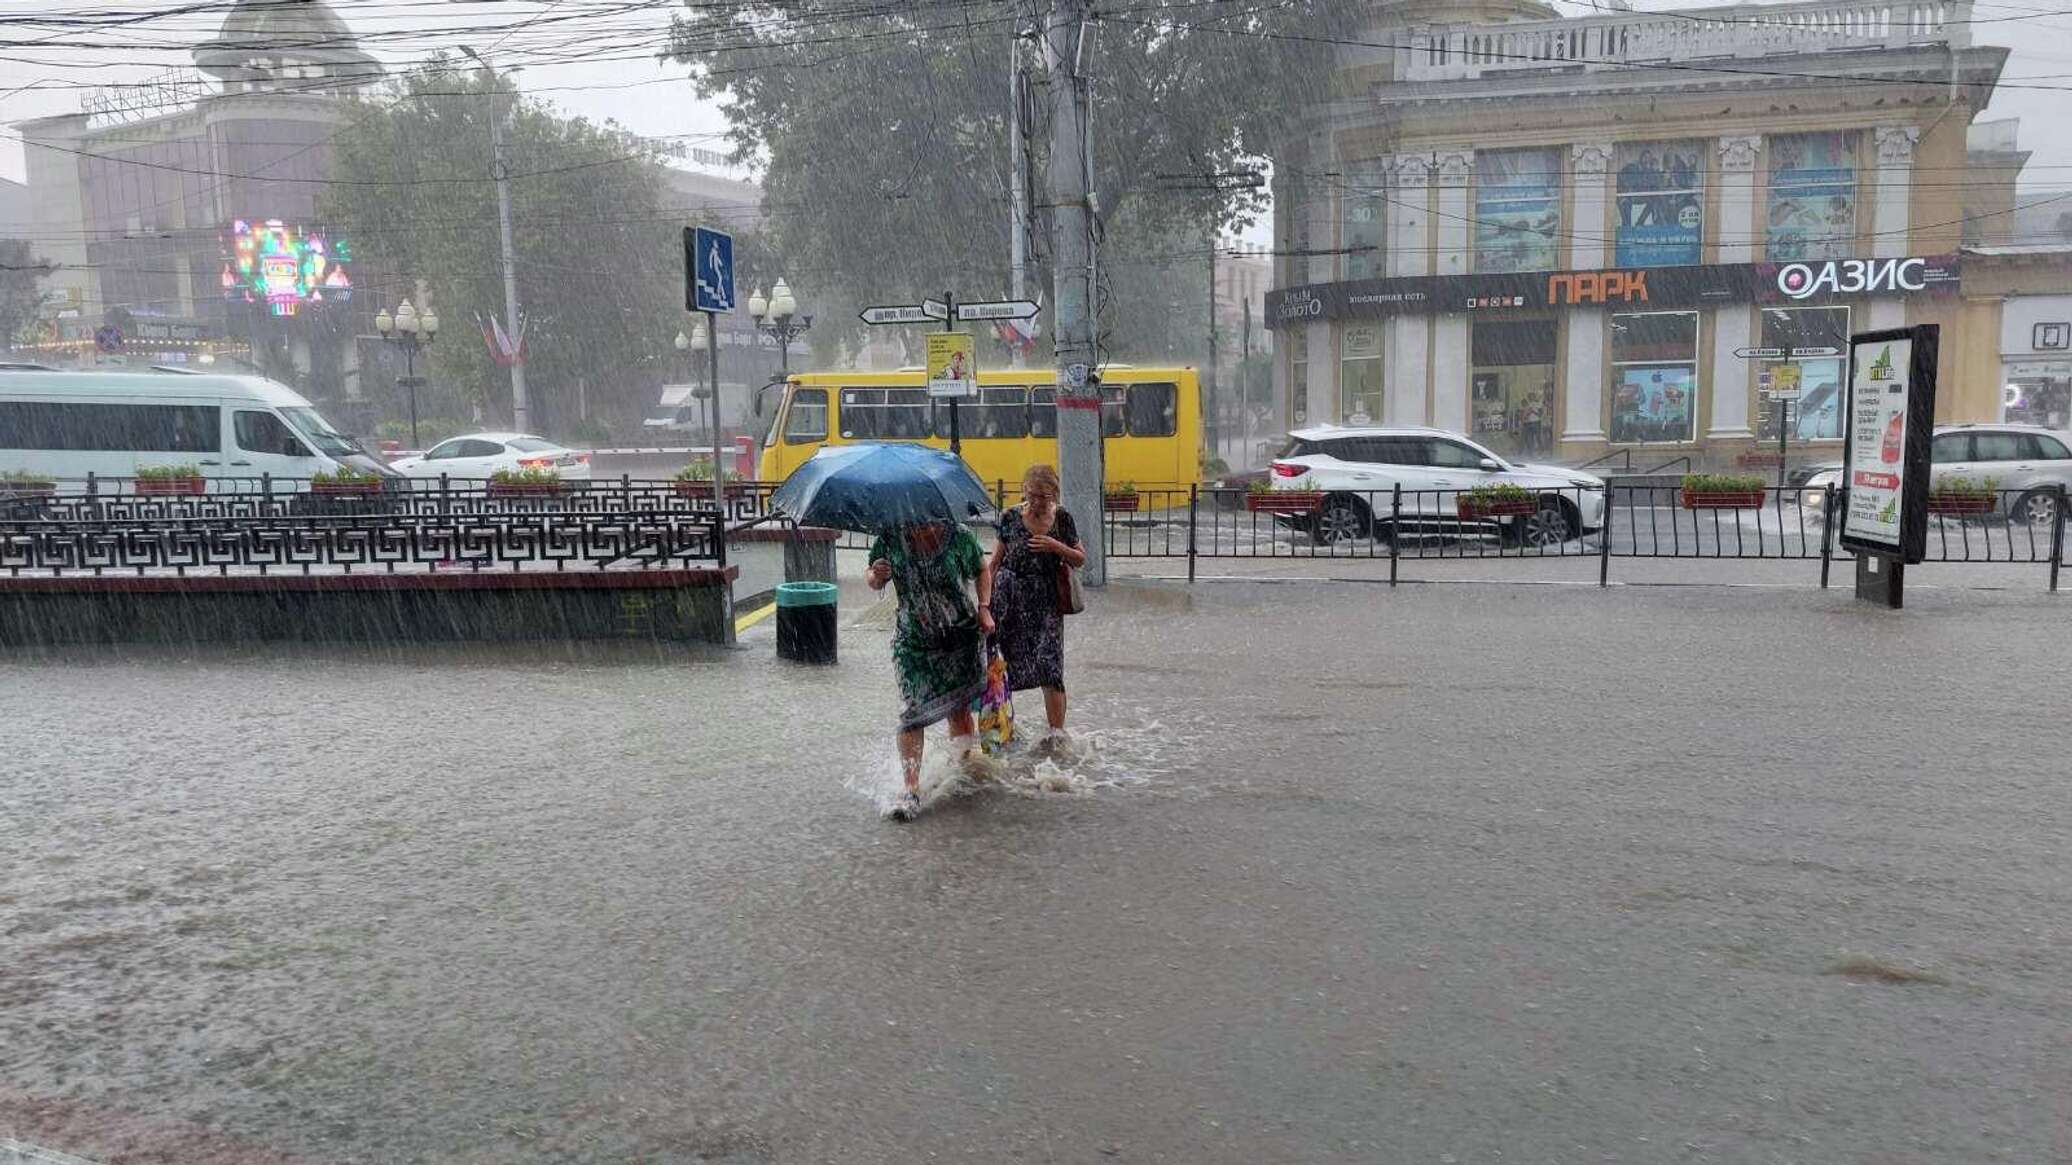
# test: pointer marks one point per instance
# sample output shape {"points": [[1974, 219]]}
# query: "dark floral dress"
{"points": [[1029, 629], [937, 646]]}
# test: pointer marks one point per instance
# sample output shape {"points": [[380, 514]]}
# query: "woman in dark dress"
{"points": [[1036, 538]]}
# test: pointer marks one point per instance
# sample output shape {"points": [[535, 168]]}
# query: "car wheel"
{"points": [[1551, 525], [2036, 509], [1342, 520]]}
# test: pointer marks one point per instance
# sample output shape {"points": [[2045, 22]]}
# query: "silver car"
{"points": [[2027, 463]]}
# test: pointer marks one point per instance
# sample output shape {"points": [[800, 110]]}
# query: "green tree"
{"points": [[21, 291], [913, 196], [599, 255]]}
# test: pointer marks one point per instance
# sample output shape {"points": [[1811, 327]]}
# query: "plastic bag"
{"points": [[994, 708]]}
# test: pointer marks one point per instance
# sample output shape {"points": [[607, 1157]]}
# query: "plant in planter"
{"points": [[1122, 499], [695, 480], [525, 482], [1495, 501], [1723, 491], [1958, 496], [345, 480], [171, 479], [24, 483], [1214, 468], [1301, 497]]}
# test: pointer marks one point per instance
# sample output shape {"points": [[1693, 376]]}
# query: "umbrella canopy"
{"points": [[875, 487]]}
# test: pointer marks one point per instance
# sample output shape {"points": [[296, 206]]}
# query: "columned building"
{"points": [[1570, 237]]}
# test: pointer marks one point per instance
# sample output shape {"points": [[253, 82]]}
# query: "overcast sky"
{"points": [[595, 58]]}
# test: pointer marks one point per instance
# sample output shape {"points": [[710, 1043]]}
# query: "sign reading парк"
{"points": [[1648, 287]]}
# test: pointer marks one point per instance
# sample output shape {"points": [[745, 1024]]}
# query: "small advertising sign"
{"points": [[1891, 416], [952, 366]]}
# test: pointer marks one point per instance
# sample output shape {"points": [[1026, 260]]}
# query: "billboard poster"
{"points": [[1517, 210], [281, 267], [1661, 196], [1890, 412], [1653, 404], [952, 365], [1812, 211]]}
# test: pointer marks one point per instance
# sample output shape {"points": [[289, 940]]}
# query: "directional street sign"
{"points": [[1005, 309], [709, 266], [897, 314], [935, 309], [1759, 353], [1798, 352]]}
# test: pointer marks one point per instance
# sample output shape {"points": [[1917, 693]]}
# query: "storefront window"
{"points": [[2039, 392], [1361, 203], [1513, 406], [1654, 376], [1297, 339], [1812, 196], [1661, 188], [1517, 210], [1815, 341], [1359, 380]]}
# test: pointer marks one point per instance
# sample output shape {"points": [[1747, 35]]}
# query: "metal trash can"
{"points": [[806, 621]]}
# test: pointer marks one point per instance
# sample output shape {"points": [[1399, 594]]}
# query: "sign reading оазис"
{"points": [[1891, 412]]}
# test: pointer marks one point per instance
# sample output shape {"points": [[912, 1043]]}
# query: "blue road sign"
{"points": [[708, 260]]}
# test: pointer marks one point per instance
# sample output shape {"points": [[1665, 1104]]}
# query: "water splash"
{"points": [[1034, 765]]}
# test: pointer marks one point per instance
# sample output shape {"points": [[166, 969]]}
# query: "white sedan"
{"points": [[481, 455]]}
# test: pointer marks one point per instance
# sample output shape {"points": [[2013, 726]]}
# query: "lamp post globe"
{"points": [[782, 305], [758, 307]]}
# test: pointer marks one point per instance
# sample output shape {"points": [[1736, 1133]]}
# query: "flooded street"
{"points": [[1464, 874]]}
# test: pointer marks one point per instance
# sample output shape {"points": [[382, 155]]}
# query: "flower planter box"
{"points": [[731, 491], [1285, 502], [1738, 499], [345, 489], [527, 489], [1960, 504], [1473, 509], [28, 489], [171, 486], [1120, 503]]}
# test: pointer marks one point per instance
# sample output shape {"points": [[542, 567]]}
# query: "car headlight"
{"points": [[1585, 483]]}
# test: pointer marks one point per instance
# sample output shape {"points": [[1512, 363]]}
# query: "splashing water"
{"points": [[1032, 766]]}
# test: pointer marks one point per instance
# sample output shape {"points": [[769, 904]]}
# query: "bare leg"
{"points": [[910, 757], [962, 724], [1054, 707]]}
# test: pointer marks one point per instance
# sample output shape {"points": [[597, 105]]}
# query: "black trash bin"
{"points": [[806, 621]]}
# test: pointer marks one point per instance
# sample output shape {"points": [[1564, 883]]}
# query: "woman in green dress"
{"points": [[939, 639]]}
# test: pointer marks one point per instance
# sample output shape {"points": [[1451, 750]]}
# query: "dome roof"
{"points": [[271, 39]]}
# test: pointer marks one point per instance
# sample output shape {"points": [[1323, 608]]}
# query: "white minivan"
{"points": [[236, 429]]}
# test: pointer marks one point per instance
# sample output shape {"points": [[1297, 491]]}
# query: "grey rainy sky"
{"points": [[596, 58]]}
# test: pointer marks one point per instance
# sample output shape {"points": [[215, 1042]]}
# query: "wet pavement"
{"points": [[1443, 873]]}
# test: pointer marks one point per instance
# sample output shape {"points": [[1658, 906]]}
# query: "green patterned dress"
{"points": [[937, 647]]}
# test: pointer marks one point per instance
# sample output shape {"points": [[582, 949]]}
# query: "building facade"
{"points": [[1570, 237]]}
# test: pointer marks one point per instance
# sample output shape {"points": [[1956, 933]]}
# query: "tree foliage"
{"points": [[599, 256], [883, 136], [21, 291]]}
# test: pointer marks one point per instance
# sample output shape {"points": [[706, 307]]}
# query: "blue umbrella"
{"points": [[875, 487]]}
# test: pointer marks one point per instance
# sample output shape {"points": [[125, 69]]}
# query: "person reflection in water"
{"points": [[938, 640]]}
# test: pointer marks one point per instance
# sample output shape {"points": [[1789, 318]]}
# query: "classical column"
{"points": [[1449, 325], [1583, 375], [1407, 342], [1323, 374], [1590, 169], [1894, 189], [1736, 231], [1730, 333]]}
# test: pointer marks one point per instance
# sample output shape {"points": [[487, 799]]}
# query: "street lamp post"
{"points": [[409, 331], [778, 318], [698, 343]]}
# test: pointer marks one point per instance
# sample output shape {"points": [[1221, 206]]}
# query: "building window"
{"points": [[1812, 196], [1661, 189], [1654, 376], [1361, 206], [1359, 380], [1815, 342], [1297, 339], [1517, 210], [1513, 380]]}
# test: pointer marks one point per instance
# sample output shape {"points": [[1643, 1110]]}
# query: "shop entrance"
{"points": [[1512, 407]]}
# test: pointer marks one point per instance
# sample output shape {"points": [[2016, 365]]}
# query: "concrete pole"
{"points": [[1215, 392], [501, 171], [1071, 192], [1017, 172]]}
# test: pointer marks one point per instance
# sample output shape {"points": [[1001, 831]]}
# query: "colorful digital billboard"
{"points": [[281, 267]]}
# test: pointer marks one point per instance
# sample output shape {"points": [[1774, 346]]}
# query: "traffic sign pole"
{"points": [[950, 315]]}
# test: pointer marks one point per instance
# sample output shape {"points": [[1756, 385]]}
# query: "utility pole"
{"points": [[1244, 385], [500, 170], [1215, 393], [1066, 29], [1017, 171]]}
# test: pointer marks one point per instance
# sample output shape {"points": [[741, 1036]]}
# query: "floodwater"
{"points": [[1466, 874]]}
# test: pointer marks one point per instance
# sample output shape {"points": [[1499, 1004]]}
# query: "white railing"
{"points": [[1458, 52]]}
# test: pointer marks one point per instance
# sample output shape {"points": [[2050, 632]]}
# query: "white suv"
{"points": [[2028, 464], [1358, 470]]}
